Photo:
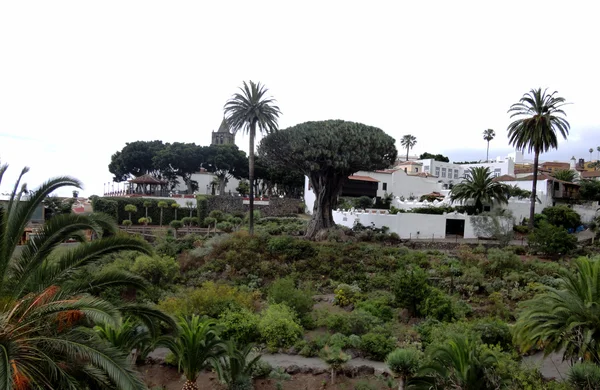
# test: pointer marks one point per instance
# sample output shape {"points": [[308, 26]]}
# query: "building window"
{"points": [[497, 172], [456, 173], [426, 168], [416, 170], [385, 186], [443, 172], [437, 171]]}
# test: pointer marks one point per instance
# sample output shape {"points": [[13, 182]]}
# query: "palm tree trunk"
{"points": [[251, 177], [146, 212], [161, 216], [176, 214], [333, 376], [130, 215], [536, 159], [189, 385], [407, 149], [487, 154], [401, 383]]}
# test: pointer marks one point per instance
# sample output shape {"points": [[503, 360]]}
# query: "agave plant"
{"points": [[236, 365], [46, 308]]}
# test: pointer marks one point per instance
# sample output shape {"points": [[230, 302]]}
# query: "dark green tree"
{"points": [[562, 216], [328, 152], [278, 179], [180, 159], [135, 159], [589, 190], [479, 186], [247, 111], [436, 157], [539, 117], [225, 162]]}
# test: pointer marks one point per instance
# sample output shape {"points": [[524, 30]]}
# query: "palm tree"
{"points": [[235, 366], [591, 151], [47, 307], [175, 207], [404, 363], [539, 118], [335, 359], [598, 155], [162, 205], [458, 364], [479, 186], [565, 318], [196, 345], [565, 175], [488, 135], [245, 111], [408, 142]]}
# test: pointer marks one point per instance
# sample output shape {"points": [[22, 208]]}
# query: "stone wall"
{"points": [[277, 207]]}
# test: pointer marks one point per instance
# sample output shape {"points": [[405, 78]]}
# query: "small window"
{"points": [[426, 168], [487, 208], [556, 186], [385, 186], [443, 172], [416, 169], [437, 171], [456, 173]]}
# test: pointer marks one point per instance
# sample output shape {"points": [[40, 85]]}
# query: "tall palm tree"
{"points": [[458, 364], [565, 318], [598, 155], [488, 135], [408, 142], [47, 306], [539, 117], [591, 151], [196, 345], [246, 111], [479, 186]]}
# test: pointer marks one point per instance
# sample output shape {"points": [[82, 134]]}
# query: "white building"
{"points": [[447, 173], [498, 167]]}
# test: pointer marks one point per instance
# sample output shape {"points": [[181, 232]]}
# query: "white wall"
{"points": [[383, 177], [587, 211], [309, 196], [506, 167], [406, 225], [430, 166], [204, 179]]}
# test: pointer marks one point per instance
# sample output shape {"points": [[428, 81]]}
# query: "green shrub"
{"points": [[438, 305], [158, 270], [494, 332], [551, 240], [563, 216], [218, 215], [225, 227], [585, 376], [517, 249], [346, 294], [404, 362], [377, 345], [379, 307], [363, 202], [356, 322], [410, 288], [278, 326], [211, 299], [338, 340], [261, 369], [240, 326], [115, 207], [290, 248], [284, 291], [521, 229], [175, 224], [202, 204], [502, 261]]}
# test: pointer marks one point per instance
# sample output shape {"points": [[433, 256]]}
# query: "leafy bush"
{"points": [[521, 229], [379, 307], [239, 325], [261, 369], [211, 299], [356, 322], [563, 216], [338, 340], [501, 261], [158, 270], [494, 332], [284, 291], [278, 326], [404, 362], [289, 248], [364, 202], [438, 305], [225, 227], [585, 376], [115, 207], [410, 288], [377, 345], [346, 294], [551, 240]]}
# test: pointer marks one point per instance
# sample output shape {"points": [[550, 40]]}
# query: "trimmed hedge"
{"points": [[115, 207]]}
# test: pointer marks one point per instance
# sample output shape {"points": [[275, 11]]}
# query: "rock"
{"points": [[306, 370], [319, 371], [364, 370], [293, 369]]}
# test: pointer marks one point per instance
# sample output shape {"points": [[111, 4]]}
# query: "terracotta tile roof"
{"points": [[505, 178], [362, 178], [554, 164], [543, 176], [388, 171], [587, 174]]}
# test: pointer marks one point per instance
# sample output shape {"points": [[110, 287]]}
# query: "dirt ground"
{"points": [[159, 377]]}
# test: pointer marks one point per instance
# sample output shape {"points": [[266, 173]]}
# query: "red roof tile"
{"points": [[362, 178]]}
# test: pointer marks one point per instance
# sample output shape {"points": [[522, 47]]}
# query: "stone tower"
{"points": [[223, 136]]}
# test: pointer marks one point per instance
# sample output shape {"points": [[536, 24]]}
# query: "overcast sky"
{"points": [[78, 79]]}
